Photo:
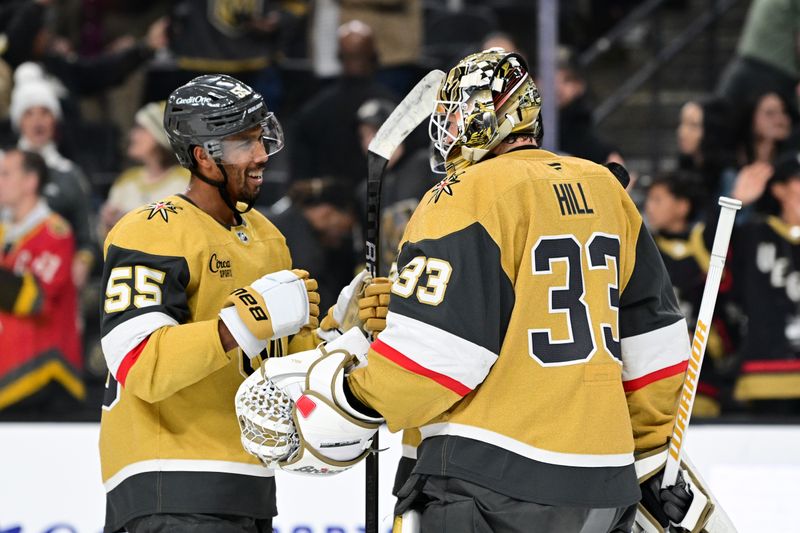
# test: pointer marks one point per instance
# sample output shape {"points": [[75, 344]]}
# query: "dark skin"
{"points": [[244, 185]]}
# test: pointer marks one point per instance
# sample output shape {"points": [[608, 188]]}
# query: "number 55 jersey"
{"points": [[532, 335], [169, 437]]}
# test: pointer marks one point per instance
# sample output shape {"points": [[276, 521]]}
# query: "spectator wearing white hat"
{"points": [[158, 174], [35, 113]]}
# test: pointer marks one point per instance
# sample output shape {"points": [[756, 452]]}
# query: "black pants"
{"points": [[450, 505], [198, 523]]}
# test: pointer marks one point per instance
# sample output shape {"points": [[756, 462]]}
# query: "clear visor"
{"points": [[253, 144], [444, 129]]}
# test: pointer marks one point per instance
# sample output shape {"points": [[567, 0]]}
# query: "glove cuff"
{"points": [[248, 342]]}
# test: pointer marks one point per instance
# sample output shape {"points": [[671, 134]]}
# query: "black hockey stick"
{"points": [[415, 107]]}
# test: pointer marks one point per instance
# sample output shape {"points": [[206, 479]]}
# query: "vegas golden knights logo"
{"points": [[231, 16]]}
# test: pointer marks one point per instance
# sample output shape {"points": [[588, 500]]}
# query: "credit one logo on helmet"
{"points": [[194, 100]]}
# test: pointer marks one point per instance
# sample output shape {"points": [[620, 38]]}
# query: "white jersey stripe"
{"points": [[526, 450], [409, 451], [127, 335], [438, 350], [652, 351], [186, 465]]}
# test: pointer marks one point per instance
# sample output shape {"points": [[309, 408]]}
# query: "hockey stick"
{"points": [[719, 251], [415, 107]]}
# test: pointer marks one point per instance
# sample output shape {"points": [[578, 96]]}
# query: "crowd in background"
{"points": [[82, 85]]}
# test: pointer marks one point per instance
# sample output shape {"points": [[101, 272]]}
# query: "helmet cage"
{"points": [[440, 126]]}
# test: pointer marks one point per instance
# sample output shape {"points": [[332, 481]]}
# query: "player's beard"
{"points": [[248, 190]]}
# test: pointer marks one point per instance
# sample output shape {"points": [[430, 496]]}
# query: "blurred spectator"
{"points": [[324, 137], [706, 143], [672, 205], [765, 261], [767, 58], [576, 131], [40, 353], [398, 37], [158, 176], [28, 39], [317, 217], [408, 176], [35, 113], [499, 39], [237, 38], [765, 126]]}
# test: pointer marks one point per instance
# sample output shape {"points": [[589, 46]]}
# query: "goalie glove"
{"points": [[273, 306], [363, 304], [374, 306], [334, 435]]}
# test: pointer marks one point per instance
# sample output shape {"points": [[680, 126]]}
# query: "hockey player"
{"points": [[532, 335], [195, 286]]}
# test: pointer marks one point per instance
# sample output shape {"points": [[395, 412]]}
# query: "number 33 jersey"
{"points": [[169, 439], [532, 336]]}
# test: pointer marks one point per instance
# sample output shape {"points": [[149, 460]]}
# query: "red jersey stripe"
{"points": [[412, 366], [128, 360], [780, 365], [638, 383]]}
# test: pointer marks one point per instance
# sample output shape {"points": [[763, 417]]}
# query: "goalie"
{"points": [[532, 338]]}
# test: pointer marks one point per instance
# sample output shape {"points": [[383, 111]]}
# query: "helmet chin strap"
{"points": [[222, 187]]}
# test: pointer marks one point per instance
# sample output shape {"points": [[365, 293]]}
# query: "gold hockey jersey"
{"points": [[532, 335], [169, 438]]}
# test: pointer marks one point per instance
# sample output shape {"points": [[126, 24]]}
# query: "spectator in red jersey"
{"points": [[40, 352]]}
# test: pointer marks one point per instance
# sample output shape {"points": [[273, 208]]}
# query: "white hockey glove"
{"points": [[686, 506], [333, 434], [273, 306], [344, 314]]}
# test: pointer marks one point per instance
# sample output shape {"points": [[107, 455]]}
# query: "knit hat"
{"points": [[31, 89], [151, 118]]}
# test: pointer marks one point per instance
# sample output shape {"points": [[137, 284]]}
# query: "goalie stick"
{"points": [[719, 251], [415, 107]]}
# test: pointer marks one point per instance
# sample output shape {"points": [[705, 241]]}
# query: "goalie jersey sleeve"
{"points": [[532, 315]]}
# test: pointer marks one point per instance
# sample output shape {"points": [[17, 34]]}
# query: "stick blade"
{"points": [[415, 107]]}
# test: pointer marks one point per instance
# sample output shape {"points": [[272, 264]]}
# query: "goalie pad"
{"points": [[704, 513]]}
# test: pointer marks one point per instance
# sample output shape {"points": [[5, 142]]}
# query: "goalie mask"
{"points": [[483, 99]]}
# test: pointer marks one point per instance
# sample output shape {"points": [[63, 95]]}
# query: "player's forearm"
{"points": [[379, 385], [652, 411], [173, 358]]}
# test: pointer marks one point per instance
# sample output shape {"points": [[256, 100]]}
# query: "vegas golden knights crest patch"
{"points": [[444, 187], [161, 208]]}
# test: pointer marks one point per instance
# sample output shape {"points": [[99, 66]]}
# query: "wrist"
{"points": [[225, 337]]}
